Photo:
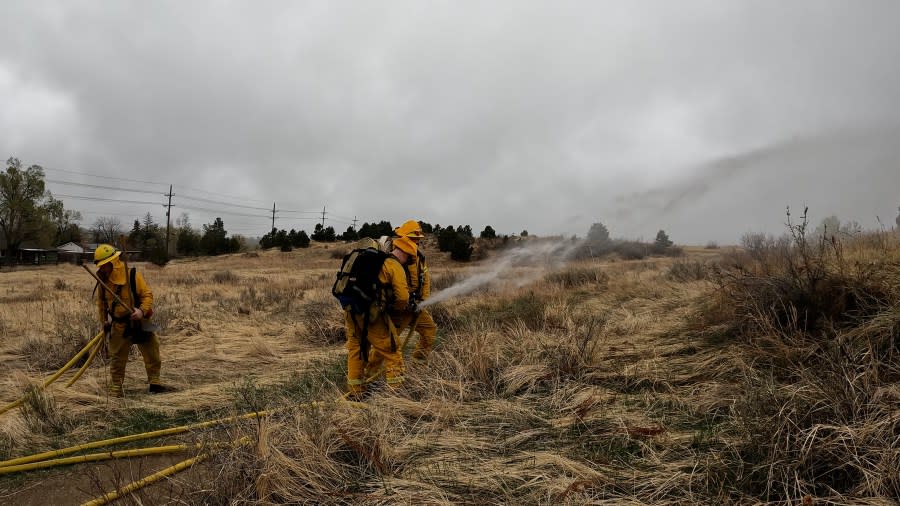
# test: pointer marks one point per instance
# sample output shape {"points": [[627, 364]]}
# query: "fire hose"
{"points": [[88, 347]]}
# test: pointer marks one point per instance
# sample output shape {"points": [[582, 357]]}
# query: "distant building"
{"points": [[79, 253], [73, 252]]}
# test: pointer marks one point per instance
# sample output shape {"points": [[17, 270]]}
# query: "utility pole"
{"points": [[323, 217], [354, 222], [273, 216], [168, 219]]}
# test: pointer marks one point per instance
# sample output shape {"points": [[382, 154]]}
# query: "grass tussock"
{"points": [[225, 277], [578, 276], [42, 415]]}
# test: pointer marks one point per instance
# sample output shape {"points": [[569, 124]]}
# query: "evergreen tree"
{"points": [[350, 235], [598, 235], [447, 238], [662, 242], [302, 240], [213, 241]]}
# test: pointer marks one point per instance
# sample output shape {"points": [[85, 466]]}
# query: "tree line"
{"points": [[30, 213]]}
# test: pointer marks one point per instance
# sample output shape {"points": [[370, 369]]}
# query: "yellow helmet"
{"points": [[406, 245], [104, 254], [410, 229]]}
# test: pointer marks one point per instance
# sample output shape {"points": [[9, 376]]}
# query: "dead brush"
{"points": [[447, 279], [812, 282], [324, 318], [41, 414], [225, 277], [686, 271], [272, 298], [820, 345], [323, 453], [578, 276], [72, 331]]}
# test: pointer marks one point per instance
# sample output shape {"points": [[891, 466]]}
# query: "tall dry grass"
{"points": [[766, 375], [817, 323]]}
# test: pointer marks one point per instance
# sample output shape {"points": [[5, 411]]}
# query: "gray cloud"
{"points": [[521, 115]]}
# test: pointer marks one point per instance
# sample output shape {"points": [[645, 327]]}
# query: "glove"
{"points": [[412, 306]]}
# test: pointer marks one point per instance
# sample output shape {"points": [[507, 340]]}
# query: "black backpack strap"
{"points": [[133, 283], [364, 339]]}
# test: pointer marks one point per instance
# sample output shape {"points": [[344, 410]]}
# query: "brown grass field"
{"points": [[725, 376]]}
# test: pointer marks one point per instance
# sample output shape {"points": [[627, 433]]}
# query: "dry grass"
{"points": [[655, 381]]}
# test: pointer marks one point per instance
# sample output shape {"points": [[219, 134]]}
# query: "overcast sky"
{"points": [[703, 118]]}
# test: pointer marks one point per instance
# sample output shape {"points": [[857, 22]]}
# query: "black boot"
{"points": [[156, 388]]}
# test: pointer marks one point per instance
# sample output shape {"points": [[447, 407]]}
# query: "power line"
{"points": [[178, 206], [103, 176], [301, 212], [222, 203], [317, 215], [73, 183], [142, 181], [103, 199], [220, 194]]}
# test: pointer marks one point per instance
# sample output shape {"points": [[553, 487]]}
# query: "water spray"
{"points": [[551, 255]]}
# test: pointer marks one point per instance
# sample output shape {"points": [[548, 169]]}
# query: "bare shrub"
{"points": [[632, 250], [225, 277], [820, 345], [685, 271]]}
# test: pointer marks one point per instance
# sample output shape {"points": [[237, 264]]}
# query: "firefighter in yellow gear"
{"points": [[420, 289], [382, 329], [121, 322]]}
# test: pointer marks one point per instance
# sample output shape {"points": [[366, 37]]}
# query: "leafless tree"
{"points": [[107, 229]]}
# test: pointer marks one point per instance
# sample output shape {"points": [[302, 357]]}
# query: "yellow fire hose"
{"points": [[127, 439], [149, 435], [87, 363], [93, 457], [118, 454], [58, 373], [143, 482], [412, 326], [38, 461]]}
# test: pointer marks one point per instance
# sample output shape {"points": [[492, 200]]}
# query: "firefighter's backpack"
{"points": [[357, 287]]}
